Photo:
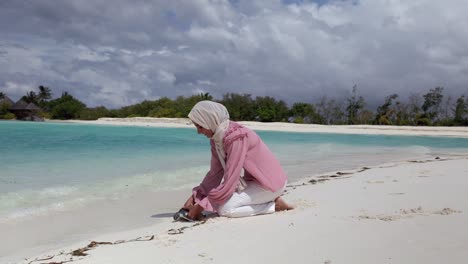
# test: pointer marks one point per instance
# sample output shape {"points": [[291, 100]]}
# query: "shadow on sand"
{"points": [[163, 215]]}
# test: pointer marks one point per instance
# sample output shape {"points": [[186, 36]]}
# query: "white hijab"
{"points": [[215, 117]]}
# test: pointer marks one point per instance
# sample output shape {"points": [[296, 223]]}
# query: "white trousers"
{"points": [[253, 200]]}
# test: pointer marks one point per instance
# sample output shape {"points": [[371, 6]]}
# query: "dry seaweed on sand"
{"points": [[81, 252], [177, 231]]}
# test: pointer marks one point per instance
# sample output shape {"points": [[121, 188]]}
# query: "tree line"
{"points": [[430, 109]]}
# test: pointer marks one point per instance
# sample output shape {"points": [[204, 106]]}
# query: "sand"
{"points": [[407, 212], [291, 127]]}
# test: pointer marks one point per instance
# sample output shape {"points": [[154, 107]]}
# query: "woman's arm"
{"points": [[236, 153], [212, 180]]}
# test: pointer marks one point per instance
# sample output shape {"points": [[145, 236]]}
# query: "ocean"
{"points": [[47, 167]]}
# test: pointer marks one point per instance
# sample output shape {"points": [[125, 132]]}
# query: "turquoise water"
{"points": [[52, 166]]}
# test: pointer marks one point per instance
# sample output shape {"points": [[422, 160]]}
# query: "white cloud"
{"points": [[18, 59], [164, 52], [198, 91], [166, 77], [85, 53], [138, 50], [16, 88], [205, 82]]}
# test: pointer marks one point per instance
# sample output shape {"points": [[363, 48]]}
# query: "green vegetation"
{"points": [[431, 109], [355, 106], [268, 109], [461, 110], [4, 106], [65, 107], [8, 116], [241, 106], [385, 114]]}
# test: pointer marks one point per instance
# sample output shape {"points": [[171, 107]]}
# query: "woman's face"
{"points": [[201, 130]]}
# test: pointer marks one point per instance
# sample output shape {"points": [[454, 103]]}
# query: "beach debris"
{"points": [[200, 223], [408, 213], [315, 181], [337, 175], [428, 160], [61, 262], [205, 256], [343, 173], [326, 177], [418, 210], [447, 211], [81, 252], [49, 258], [147, 238], [364, 169], [177, 231], [41, 259]]}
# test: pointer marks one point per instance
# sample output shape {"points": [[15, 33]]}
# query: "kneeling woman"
{"points": [[233, 148]]}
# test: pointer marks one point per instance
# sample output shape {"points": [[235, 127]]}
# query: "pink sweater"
{"points": [[244, 149]]}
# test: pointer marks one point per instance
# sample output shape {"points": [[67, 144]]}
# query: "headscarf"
{"points": [[215, 117]]}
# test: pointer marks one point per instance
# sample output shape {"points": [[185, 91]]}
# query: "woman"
{"points": [[235, 148]]}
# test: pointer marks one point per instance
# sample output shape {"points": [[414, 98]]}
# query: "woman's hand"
{"points": [[189, 203], [195, 212]]}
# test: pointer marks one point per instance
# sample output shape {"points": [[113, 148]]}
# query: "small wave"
{"points": [[153, 180], [26, 203], [55, 192], [34, 211], [419, 149], [14, 205], [20, 214]]}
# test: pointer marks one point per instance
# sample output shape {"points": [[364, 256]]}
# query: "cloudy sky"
{"points": [[120, 52]]}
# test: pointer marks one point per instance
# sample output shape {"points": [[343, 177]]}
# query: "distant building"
{"points": [[6, 100], [26, 111]]}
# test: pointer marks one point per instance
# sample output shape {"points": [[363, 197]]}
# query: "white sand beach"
{"points": [[413, 211], [409, 212], [291, 127]]}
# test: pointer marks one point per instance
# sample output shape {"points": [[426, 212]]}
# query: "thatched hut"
{"points": [[25, 111], [6, 100]]}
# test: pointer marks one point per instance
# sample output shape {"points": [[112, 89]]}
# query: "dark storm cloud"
{"points": [[121, 52]]}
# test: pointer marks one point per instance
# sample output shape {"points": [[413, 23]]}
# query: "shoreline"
{"points": [[461, 132], [389, 206]]}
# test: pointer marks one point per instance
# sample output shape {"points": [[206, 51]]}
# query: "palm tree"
{"points": [[205, 96], [30, 97], [44, 93]]}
